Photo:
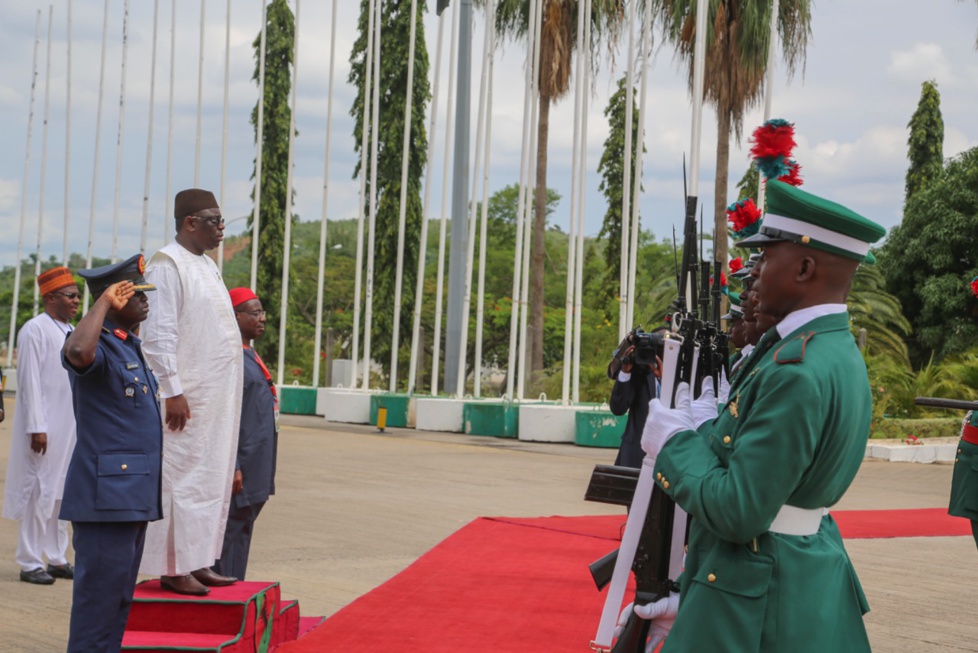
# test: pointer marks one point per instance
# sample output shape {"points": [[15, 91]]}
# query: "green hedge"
{"points": [[934, 427]]}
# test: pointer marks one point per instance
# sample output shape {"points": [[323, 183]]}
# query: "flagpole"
{"points": [[122, 126], [200, 92], [581, 190], [98, 143], [624, 318], [402, 212], [149, 131], [12, 337], [44, 157], [169, 125], [372, 233], [224, 122], [772, 60], [259, 140], [283, 319], [322, 224], [443, 226], [64, 234]]}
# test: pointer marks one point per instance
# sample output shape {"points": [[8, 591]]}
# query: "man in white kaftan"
{"points": [[192, 342], [43, 434]]}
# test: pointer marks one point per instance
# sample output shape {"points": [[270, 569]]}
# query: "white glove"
{"points": [[662, 613], [705, 406], [724, 388], [663, 423]]}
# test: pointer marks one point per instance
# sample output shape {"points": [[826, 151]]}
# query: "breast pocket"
{"points": [[134, 384], [123, 482]]}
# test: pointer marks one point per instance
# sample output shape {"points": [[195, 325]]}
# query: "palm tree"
{"points": [[736, 60], [879, 313], [558, 42]]}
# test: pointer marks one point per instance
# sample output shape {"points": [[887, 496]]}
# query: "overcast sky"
{"points": [[851, 107]]}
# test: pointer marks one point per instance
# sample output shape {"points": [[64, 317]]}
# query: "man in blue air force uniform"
{"points": [[113, 484]]}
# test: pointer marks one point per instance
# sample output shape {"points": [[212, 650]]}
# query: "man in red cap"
{"points": [[191, 341], [254, 474], [43, 434]]}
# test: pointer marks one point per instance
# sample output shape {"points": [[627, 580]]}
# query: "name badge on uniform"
{"points": [[132, 366]]}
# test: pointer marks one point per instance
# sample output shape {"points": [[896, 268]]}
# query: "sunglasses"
{"points": [[68, 295]]}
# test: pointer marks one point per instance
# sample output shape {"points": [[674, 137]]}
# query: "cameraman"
{"points": [[635, 386]]}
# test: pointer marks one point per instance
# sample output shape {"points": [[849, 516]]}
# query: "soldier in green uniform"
{"points": [[964, 482], [766, 570]]}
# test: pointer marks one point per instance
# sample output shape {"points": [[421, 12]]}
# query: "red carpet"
{"points": [[508, 584]]}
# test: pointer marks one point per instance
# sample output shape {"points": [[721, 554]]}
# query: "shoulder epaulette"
{"points": [[793, 351]]}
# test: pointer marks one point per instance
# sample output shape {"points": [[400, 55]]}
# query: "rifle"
{"points": [[952, 404], [616, 485]]}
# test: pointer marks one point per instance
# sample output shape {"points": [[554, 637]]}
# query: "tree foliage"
{"points": [[276, 117], [395, 33], [738, 34], [612, 170], [558, 42], [929, 259], [926, 142]]}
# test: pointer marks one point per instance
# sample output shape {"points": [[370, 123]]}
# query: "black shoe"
{"points": [[61, 571], [37, 577]]}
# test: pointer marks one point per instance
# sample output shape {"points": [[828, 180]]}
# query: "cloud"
{"points": [[921, 62]]}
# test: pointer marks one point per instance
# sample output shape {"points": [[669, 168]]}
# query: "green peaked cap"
{"points": [[736, 312], [797, 216]]}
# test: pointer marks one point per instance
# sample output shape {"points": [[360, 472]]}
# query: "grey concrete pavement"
{"points": [[354, 507]]}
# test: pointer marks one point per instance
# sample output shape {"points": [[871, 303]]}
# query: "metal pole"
{"points": [[460, 198], [624, 319], [637, 167], [322, 223], [518, 254], [224, 122], [416, 338], [98, 143], [260, 141], [470, 245], [44, 158], [122, 125], [200, 92], [287, 245], [443, 228], [23, 197], [364, 161], [64, 234], [149, 132], [402, 213], [581, 188], [169, 124], [772, 60], [372, 222], [483, 231], [571, 240], [528, 209]]}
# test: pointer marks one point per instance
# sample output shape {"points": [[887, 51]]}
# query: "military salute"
{"points": [[766, 569], [113, 484]]}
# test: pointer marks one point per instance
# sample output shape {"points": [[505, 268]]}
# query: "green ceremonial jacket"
{"points": [[964, 482], [793, 432]]}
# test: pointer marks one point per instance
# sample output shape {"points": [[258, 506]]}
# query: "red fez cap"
{"points": [[241, 295], [54, 279], [190, 201]]}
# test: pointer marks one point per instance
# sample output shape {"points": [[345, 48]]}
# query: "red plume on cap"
{"points": [[241, 295], [743, 217], [974, 286], [736, 264], [771, 146], [794, 174]]}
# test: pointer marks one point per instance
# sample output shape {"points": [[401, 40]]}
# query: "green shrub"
{"points": [[933, 427]]}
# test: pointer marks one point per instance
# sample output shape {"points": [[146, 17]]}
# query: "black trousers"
{"points": [[237, 541], [107, 556]]}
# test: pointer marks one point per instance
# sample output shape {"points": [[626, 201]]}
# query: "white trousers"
{"points": [[41, 536]]}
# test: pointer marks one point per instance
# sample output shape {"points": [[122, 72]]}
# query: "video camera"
{"points": [[647, 346]]}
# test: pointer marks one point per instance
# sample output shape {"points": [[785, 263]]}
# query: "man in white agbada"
{"points": [[192, 342], [43, 434]]}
